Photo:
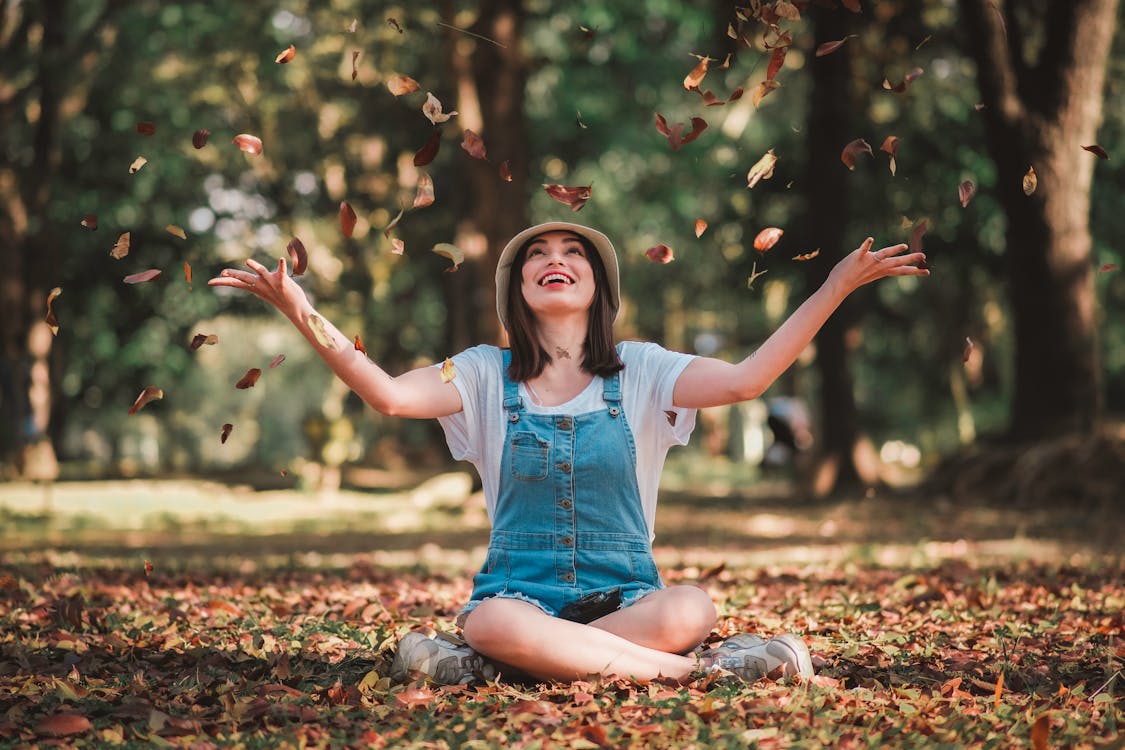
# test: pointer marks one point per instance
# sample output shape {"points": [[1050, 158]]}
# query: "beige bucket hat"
{"points": [[596, 238]]}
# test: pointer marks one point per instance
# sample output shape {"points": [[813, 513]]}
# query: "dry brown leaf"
{"points": [[398, 247], [286, 55], [298, 256], [574, 196], [1107, 268], [52, 321], [474, 146], [251, 144], [852, 150], [452, 252], [827, 48], [249, 379], [506, 171], [176, 231], [695, 77], [150, 393], [807, 256], [764, 88], [200, 339], [700, 227], [63, 725], [1097, 151], [139, 278], [967, 352], [401, 84], [762, 169], [660, 254], [1030, 181], [429, 149], [139, 162], [965, 192], [146, 128], [767, 238], [321, 333], [225, 433], [425, 193], [277, 361], [448, 371], [90, 221], [347, 218], [121, 247], [187, 273], [359, 347], [899, 88], [199, 137], [433, 111]]}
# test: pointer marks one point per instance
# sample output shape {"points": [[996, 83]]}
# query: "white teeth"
{"points": [[554, 277]]}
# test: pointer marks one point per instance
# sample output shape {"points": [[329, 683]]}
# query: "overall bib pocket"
{"points": [[529, 456]]}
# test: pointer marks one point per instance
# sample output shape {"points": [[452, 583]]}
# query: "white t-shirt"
{"points": [[477, 432]]}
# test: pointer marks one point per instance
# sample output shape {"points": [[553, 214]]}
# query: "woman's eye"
{"points": [[535, 251], [576, 250]]}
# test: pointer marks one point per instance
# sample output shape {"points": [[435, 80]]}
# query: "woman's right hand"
{"points": [[275, 287]]}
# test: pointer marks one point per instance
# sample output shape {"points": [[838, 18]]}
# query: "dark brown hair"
{"points": [[528, 356]]}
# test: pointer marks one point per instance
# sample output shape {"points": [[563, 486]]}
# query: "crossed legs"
{"points": [[644, 641]]}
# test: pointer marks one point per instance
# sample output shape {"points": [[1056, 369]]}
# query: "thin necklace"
{"points": [[534, 395]]}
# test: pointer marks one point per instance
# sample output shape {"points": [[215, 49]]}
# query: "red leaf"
{"points": [[414, 697], [150, 393], [51, 320], [251, 144], [967, 352], [574, 196], [852, 150], [506, 171], [355, 64], [695, 77], [249, 379], [807, 256], [1097, 151], [827, 48], [1041, 732], [200, 339], [425, 195], [146, 128], [660, 254], [285, 55], [199, 137], [767, 238], [90, 221], [700, 227], [965, 191], [426, 154], [277, 361], [473, 145], [187, 273], [764, 88], [121, 247], [777, 59], [675, 134], [1107, 268], [347, 218], [596, 733], [399, 85], [298, 257], [890, 145], [227, 427], [359, 347], [852, 5], [143, 276], [916, 236], [901, 87], [148, 567], [62, 725]]}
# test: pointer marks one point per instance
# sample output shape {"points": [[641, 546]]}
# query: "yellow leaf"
{"points": [[448, 372], [321, 333]]}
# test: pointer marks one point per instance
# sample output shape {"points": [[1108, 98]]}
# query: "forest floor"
{"points": [[185, 613]]}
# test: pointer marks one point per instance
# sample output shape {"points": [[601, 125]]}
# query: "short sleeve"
{"points": [[654, 371], [475, 381]]}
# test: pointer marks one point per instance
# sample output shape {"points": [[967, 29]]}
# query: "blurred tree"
{"points": [[1041, 69]]}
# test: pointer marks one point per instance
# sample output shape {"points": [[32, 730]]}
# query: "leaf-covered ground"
{"points": [[256, 649]]}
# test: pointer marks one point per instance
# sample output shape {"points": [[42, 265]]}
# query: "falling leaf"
{"points": [[429, 150], [249, 379], [62, 725], [1030, 181], [827, 48], [852, 150], [767, 238], [448, 372], [146, 128], [425, 194], [355, 64], [199, 339], [251, 144], [786, 10], [906, 81], [473, 145], [394, 24], [277, 361], [754, 274], [347, 218], [394, 222], [121, 247], [285, 55], [351, 27], [506, 171], [890, 145], [777, 59], [176, 231], [452, 252], [1107, 268], [1097, 151], [700, 227], [398, 247], [916, 236], [187, 273], [321, 334], [359, 347], [660, 254], [695, 77], [852, 5], [578, 119], [52, 321], [227, 427], [139, 162], [965, 191], [150, 393], [298, 257], [199, 137], [148, 567], [574, 196], [139, 278], [587, 33], [764, 88], [807, 256], [433, 111], [90, 221], [400, 84], [762, 169], [675, 134], [967, 352]]}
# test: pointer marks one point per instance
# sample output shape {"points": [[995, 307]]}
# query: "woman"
{"points": [[569, 433]]}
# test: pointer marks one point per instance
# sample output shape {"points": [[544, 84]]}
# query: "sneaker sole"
{"points": [[794, 653]]}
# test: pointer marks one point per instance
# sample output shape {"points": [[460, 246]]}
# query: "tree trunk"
{"points": [[491, 77], [1038, 114], [826, 188]]}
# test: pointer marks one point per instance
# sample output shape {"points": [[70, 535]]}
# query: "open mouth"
{"points": [[555, 278]]}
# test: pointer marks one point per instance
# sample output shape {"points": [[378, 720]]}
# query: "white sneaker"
{"points": [[445, 659], [752, 658]]}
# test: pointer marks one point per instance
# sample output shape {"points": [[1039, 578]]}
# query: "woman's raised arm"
{"points": [[419, 393], [713, 382]]}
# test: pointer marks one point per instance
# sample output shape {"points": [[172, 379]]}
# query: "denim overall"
{"points": [[568, 521]]}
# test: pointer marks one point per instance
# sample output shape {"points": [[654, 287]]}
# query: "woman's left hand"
{"points": [[862, 266]]}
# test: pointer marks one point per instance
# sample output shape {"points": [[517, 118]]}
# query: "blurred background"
{"points": [[1001, 376]]}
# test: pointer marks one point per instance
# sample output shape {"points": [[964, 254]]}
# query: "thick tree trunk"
{"points": [[1038, 114], [826, 188], [491, 77]]}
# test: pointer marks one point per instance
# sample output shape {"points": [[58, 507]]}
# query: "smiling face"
{"points": [[556, 277]]}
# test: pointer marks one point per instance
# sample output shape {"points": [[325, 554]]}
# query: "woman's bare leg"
{"points": [[522, 635], [675, 619]]}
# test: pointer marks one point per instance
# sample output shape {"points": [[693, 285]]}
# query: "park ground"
{"points": [[187, 613]]}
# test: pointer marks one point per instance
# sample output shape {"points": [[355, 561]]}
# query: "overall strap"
{"points": [[611, 391], [513, 404]]}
